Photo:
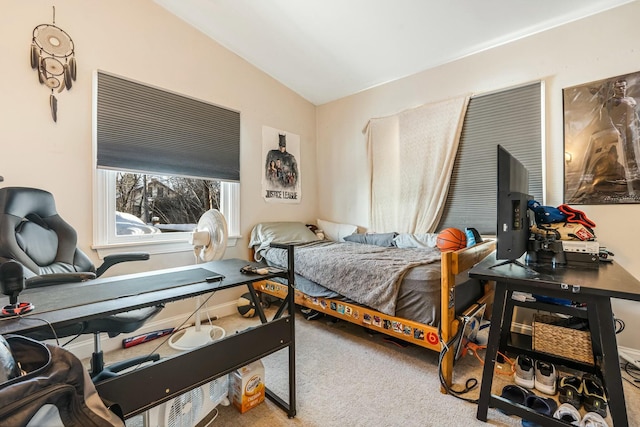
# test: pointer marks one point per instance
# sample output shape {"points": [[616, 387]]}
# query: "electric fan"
{"points": [[209, 241]]}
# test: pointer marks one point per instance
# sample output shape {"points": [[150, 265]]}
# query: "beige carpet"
{"points": [[348, 377]]}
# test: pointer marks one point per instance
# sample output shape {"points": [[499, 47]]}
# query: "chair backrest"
{"points": [[32, 233]]}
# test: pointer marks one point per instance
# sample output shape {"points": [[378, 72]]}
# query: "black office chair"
{"points": [[33, 234]]}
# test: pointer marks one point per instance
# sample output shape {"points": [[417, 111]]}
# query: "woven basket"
{"points": [[559, 341]]}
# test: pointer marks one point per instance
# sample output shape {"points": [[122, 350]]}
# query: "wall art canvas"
{"points": [[281, 173], [602, 141]]}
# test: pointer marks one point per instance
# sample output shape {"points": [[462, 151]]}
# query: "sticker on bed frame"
{"points": [[407, 330], [334, 306], [418, 334], [366, 319], [348, 311], [377, 321], [386, 324], [432, 338], [341, 308], [356, 314], [323, 304], [397, 326]]}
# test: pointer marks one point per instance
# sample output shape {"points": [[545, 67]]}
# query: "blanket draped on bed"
{"points": [[367, 274]]}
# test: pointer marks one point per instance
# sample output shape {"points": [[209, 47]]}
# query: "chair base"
{"points": [[113, 370]]}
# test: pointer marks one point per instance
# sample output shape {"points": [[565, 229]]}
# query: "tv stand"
{"points": [[516, 262], [592, 289]]}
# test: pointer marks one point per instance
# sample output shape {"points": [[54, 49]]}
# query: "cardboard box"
{"points": [[246, 386]]}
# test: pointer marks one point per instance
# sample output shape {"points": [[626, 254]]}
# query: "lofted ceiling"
{"points": [[328, 49]]}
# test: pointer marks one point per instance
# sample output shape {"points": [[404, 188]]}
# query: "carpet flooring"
{"points": [[347, 376]]}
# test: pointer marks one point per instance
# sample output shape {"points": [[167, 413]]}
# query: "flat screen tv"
{"points": [[513, 223]]}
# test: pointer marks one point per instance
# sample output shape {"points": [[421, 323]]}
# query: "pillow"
{"points": [[335, 231], [378, 239], [409, 240], [266, 233]]}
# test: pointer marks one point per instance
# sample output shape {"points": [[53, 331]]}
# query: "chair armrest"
{"points": [[57, 278], [111, 260]]}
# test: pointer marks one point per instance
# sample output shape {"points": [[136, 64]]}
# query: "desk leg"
{"points": [[493, 345], [602, 325]]}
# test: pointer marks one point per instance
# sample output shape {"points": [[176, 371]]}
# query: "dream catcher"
{"points": [[52, 56]]}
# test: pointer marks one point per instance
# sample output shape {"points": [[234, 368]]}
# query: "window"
{"points": [[511, 118], [162, 160], [135, 223]]}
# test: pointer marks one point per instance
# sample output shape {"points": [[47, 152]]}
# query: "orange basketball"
{"points": [[451, 239]]}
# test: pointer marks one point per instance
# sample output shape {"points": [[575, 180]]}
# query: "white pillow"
{"points": [[335, 231], [408, 240]]}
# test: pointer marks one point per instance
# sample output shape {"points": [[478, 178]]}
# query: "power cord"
{"points": [[53, 331], [178, 328], [633, 372], [470, 383]]}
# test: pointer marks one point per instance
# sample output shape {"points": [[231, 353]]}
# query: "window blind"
{"points": [[511, 118], [145, 129]]}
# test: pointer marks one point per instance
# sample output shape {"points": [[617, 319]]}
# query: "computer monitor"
{"points": [[513, 222]]}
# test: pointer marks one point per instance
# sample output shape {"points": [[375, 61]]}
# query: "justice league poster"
{"points": [[281, 173]]}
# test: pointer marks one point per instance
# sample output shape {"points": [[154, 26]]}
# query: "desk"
{"points": [[161, 381], [594, 287]]}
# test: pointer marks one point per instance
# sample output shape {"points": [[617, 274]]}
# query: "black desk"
{"points": [[151, 385], [594, 287]]}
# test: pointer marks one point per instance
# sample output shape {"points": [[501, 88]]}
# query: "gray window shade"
{"points": [[146, 129], [511, 118]]}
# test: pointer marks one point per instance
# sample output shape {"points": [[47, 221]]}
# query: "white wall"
{"points": [[598, 47], [142, 41]]}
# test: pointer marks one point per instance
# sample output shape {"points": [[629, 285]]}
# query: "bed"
{"points": [[395, 284]]}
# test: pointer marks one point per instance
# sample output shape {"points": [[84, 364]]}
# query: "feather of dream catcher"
{"points": [[52, 56]]}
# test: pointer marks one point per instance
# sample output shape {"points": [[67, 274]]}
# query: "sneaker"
{"points": [[545, 377], [524, 371], [594, 397], [570, 391], [592, 419], [568, 413]]}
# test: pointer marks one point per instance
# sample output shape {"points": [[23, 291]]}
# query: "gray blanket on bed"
{"points": [[367, 274]]}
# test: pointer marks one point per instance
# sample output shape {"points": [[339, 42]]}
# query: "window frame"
{"points": [[106, 241]]}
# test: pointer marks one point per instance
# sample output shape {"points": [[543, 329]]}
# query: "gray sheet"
{"points": [[367, 274]]}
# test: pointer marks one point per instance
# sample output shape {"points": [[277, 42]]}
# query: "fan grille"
{"points": [[186, 408]]}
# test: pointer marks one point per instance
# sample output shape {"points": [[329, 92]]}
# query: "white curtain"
{"points": [[411, 156]]}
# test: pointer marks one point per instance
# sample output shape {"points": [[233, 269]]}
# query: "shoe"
{"points": [[545, 377], [594, 399], [570, 391], [592, 419], [524, 371], [516, 394], [542, 405], [568, 413]]}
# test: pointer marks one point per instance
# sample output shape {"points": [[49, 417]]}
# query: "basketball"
{"points": [[451, 239], [246, 306]]}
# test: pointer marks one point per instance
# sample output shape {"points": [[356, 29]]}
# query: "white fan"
{"points": [[209, 241]]}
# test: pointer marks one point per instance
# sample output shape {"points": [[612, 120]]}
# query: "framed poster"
{"points": [[602, 141], [281, 175]]}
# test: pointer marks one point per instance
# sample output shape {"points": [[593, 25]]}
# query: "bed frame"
{"points": [[453, 263]]}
